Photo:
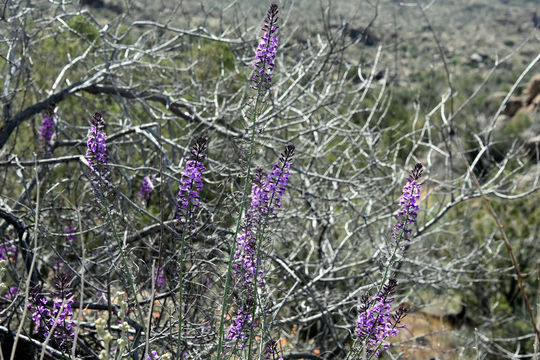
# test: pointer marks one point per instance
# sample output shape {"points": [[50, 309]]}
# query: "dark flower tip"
{"points": [[401, 312], [416, 173], [265, 54], [270, 23], [191, 182], [389, 288], [199, 148], [288, 153], [97, 119]]}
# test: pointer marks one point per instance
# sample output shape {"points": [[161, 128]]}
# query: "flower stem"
{"points": [[238, 223], [181, 292], [124, 260]]}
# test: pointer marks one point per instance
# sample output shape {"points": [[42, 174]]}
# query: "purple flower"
{"points": [[8, 252], [61, 316], [375, 322], [152, 356], [266, 194], [39, 313], [188, 199], [408, 212], [12, 292], [272, 351], [70, 233], [159, 276], [265, 53], [96, 151], [47, 126], [146, 187], [245, 259], [242, 324]]}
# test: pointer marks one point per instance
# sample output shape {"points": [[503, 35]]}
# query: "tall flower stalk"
{"points": [[375, 323], [262, 67], [266, 194], [265, 54], [97, 157], [96, 152], [274, 186], [188, 201], [406, 215]]}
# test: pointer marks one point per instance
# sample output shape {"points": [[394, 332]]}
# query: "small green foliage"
{"points": [[83, 26], [519, 123], [214, 56]]}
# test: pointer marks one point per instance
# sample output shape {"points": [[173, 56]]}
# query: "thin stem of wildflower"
{"points": [[123, 256], [255, 287], [373, 352], [238, 223], [352, 349], [263, 329], [160, 195], [260, 237], [181, 291], [390, 261]]}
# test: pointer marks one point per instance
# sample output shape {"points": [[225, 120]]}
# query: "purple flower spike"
{"points": [[409, 207], [266, 194], [191, 182], [47, 126], [60, 318], [278, 178], [265, 54], [96, 151], [146, 187], [375, 322], [239, 330]]}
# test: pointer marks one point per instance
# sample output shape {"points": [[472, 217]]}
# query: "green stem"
{"points": [[352, 350], [405, 223], [181, 292], [260, 238], [238, 222], [388, 267], [123, 256], [187, 222], [255, 294]]}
